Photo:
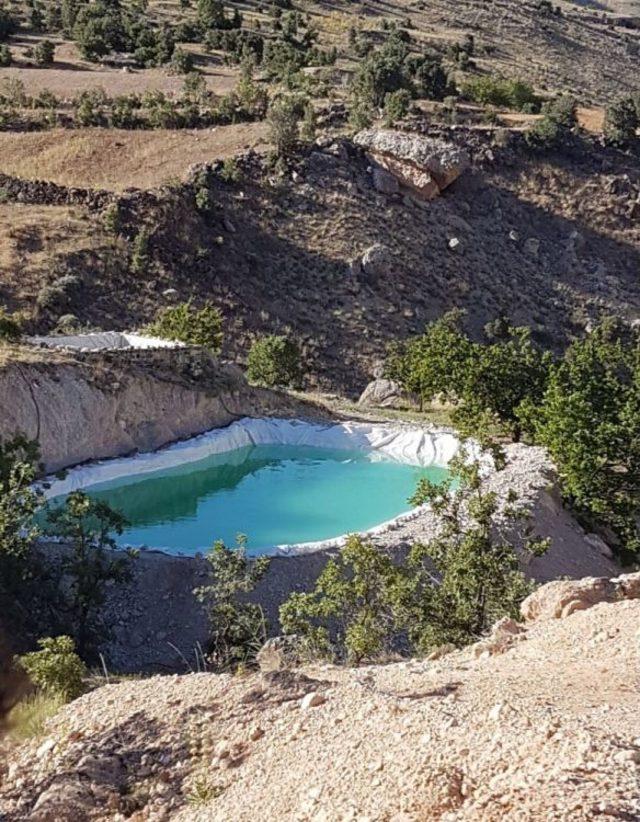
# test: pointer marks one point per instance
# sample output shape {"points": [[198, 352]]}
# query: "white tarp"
{"points": [[406, 444], [103, 341]]}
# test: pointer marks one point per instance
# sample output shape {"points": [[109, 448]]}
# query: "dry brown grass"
{"points": [[115, 159]]}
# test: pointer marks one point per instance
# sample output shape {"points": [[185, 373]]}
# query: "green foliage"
{"points": [[621, 122], [497, 91], [44, 53], [450, 590], [230, 172], [351, 613], [472, 561], [493, 384], [590, 422], [308, 128], [381, 72], [92, 563], [182, 62], [140, 257], [558, 119], [238, 628], [56, 667], [396, 106], [187, 324], [10, 326], [274, 361], [282, 121]]}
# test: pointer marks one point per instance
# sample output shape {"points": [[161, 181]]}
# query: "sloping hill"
{"points": [[540, 723]]}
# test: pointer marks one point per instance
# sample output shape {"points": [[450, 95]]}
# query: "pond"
{"points": [[275, 494]]}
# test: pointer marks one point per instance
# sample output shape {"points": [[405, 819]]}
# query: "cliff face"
{"points": [[84, 408]]}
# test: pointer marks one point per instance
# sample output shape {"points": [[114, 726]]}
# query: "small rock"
{"points": [[312, 700], [455, 244]]}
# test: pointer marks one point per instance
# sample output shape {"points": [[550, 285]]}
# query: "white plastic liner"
{"points": [[104, 341], [411, 445]]}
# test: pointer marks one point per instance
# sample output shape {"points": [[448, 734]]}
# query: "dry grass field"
{"points": [[116, 159]]}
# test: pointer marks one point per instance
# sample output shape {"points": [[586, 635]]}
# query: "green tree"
{"points": [[589, 420], [274, 361], [92, 563], [352, 611], [187, 324], [211, 14], [56, 667], [238, 628], [468, 576]]}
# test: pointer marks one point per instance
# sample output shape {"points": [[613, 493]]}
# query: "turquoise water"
{"points": [[274, 494]]}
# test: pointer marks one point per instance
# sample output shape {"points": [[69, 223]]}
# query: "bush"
{"points": [[238, 628], [352, 612], [6, 58], [274, 361], [182, 62], [10, 326], [496, 91], [92, 563], [558, 118], [621, 122], [44, 53], [55, 668], [396, 106], [190, 325], [450, 590], [282, 122]]}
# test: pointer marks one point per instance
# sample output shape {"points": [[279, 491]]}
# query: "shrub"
{"points": [[6, 58], [182, 62], [282, 121], [274, 361], [496, 91], [475, 561], [10, 326], [621, 122], [559, 117], [44, 53], [55, 668], [190, 325], [238, 627], [308, 129], [351, 613], [92, 564], [140, 251], [396, 106]]}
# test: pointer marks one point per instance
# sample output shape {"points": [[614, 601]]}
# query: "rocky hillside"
{"points": [[550, 241], [539, 721]]}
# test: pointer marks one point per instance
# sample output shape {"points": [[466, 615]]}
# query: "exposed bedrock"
{"points": [[99, 406]]}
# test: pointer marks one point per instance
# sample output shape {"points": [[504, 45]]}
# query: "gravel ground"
{"points": [[545, 727]]}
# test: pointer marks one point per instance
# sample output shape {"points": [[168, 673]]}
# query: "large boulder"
{"points": [[382, 392], [424, 164], [561, 598]]}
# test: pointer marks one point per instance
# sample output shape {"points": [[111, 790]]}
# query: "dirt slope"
{"points": [[549, 729]]}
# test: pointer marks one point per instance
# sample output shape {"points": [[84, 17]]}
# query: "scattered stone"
{"points": [[312, 700]]}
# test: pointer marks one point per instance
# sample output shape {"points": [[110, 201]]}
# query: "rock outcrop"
{"points": [[560, 599], [384, 393], [109, 404], [423, 164]]}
